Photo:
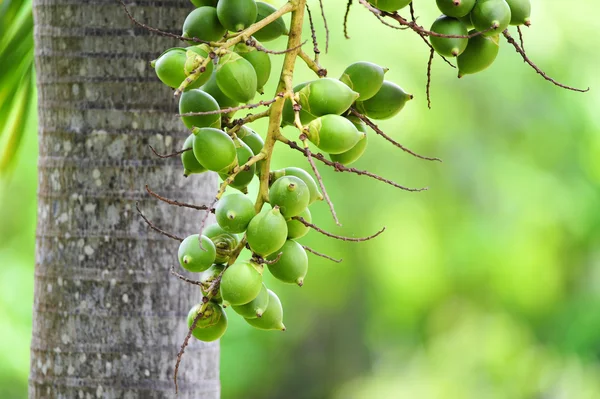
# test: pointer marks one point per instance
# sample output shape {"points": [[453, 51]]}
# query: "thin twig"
{"points": [[312, 251], [428, 87], [153, 227], [262, 103], [377, 130], [235, 124], [182, 277], [328, 234], [325, 24], [262, 260], [313, 34], [519, 50], [521, 38], [253, 43], [177, 203], [348, 5], [184, 345], [174, 154]]}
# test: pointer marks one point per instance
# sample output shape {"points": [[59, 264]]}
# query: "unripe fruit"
{"points": [[388, 101], [350, 156], [193, 258], [491, 13], [272, 318], [365, 78], [197, 100], [273, 30], [467, 21], [446, 46], [288, 115], [390, 5], [224, 241], [251, 138], [203, 50], [292, 265], [267, 232], [233, 213], [520, 12], [297, 229], [244, 177], [241, 283], [170, 67], [479, 54], [333, 134], [313, 188], [212, 324], [212, 88], [188, 159], [208, 277], [236, 15], [261, 62], [236, 78], [455, 8], [202, 3], [326, 96], [203, 24], [214, 149], [256, 307], [291, 194]]}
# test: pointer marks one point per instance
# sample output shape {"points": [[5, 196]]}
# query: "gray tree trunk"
{"points": [[108, 317]]}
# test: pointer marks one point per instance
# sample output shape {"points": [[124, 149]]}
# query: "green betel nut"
{"points": [[479, 54], [290, 194], [326, 96], [251, 138], [241, 283], [288, 115], [493, 14], [211, 87], [197, 100], [214, 149], [207, 279], [456, 8], [297, 229], [256, 307], [272, 318], [449, 47], [261, 62], [234, 212], [315, 194], [236, 15], [203, 24], [210, 332], [292, 265], [353, 154], [365, 78], [224, 241], [273, 30], [193, 258], [196, 56], [244, 177], [267, 232], [388, 101], [520, 12], [188, 159], [170, 68], [390, 5], [236, 78], [333, 134]]}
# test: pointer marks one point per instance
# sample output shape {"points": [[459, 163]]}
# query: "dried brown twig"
{"points": [[337, 237]]}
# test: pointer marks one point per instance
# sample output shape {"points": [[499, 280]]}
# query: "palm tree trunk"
{"points": [[108, 317]]}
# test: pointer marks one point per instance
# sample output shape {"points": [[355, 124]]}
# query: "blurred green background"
{"points": [[485, 286]]}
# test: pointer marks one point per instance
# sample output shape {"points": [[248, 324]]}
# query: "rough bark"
{"points": [[108, 317]]}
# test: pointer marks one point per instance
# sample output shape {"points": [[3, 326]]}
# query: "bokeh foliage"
{"points": [[485, 286]]}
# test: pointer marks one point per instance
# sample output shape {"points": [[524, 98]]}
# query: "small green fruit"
{"points": [[491, 13], [390, 5], [197, 100], [272, 318], [203, 24], [236, 78], [251, 138], [212, 324], [455, 8], [188, 159], [192, 62], [212, 88], [170, 68], [333, 134], [315, 194], [241, 283], [203, 3], [479, 54], [261, 62], [214, 149], [236, 15], [244, 177], [297, 229], [352, 155], [267, 232], [520, 12], [224, 241], [290, 194], [274, 29], [234, 212], [446, 46], [292, 265], [256, 307], [208, 277], [467, 21], [365, 78], [388, 101], [326, 96], [193, 258], [288, 116]]}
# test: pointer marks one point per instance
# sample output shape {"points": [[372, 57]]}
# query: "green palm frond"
{"points": [[17, 89]]}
